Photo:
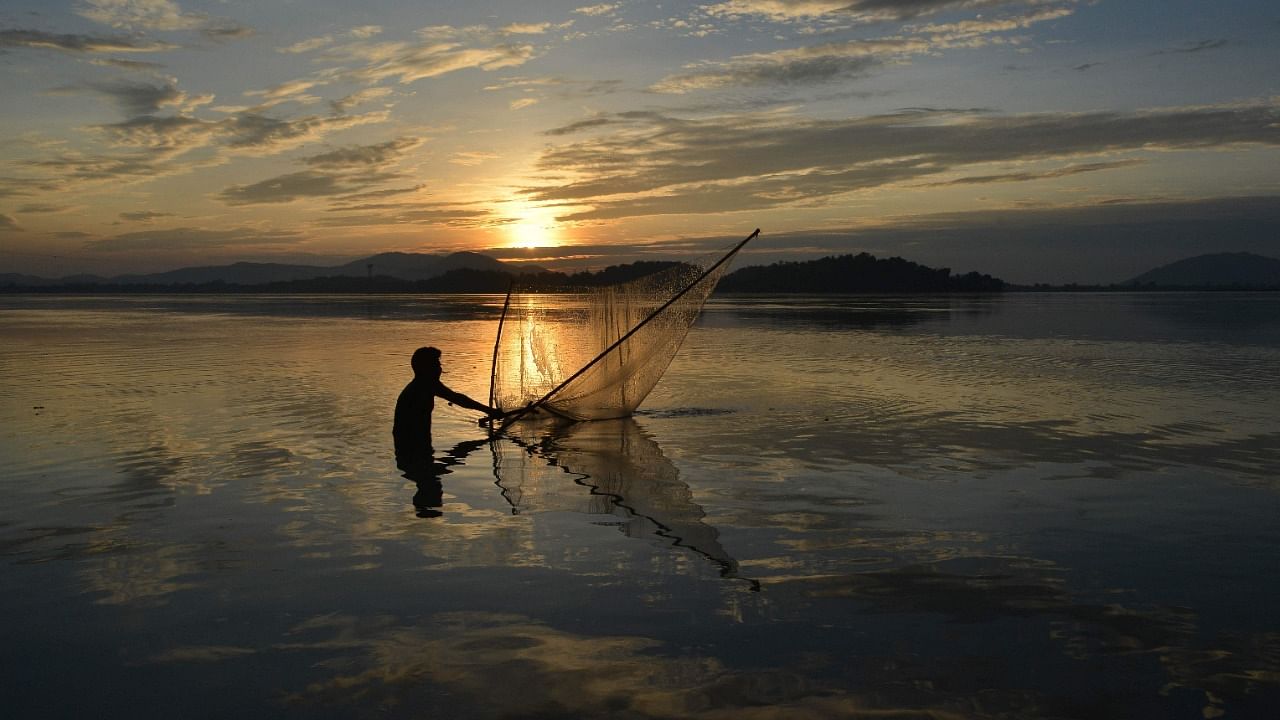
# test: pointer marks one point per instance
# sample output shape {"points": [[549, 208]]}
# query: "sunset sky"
{"points": [[1038, 140]]}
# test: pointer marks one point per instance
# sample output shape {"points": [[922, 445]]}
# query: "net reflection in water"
{"points": [[609, 467]]}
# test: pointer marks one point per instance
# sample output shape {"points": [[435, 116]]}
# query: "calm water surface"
{"points": [[1051, 506]]}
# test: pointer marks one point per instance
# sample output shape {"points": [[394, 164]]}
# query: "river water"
{"points": [[1029, 505]]}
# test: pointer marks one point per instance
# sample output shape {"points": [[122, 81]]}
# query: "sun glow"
{"points": [[534, 227]]}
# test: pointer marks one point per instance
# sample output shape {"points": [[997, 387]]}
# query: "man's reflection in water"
{"points": [[425, 471]]}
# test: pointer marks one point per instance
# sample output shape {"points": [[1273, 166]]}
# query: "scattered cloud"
{"points": [[522, 103], [8, 223], [41, 208], [251, 130], [362, 32], [598, 10], [439, 50], [191, 238], [61, 172], [845, 59], [1195, 47], [1061, 172], [345, 103], [79, 43], [581, 125], [141, 98], [856, 10], [656, 164], [439, 214], [291, 90], [364, 156], [141, 15], [224, 31], [127, 64], [308, 45], [303, 185], [345, 172], [471, 158], [286, 188], [526, 28], [143, 215]]}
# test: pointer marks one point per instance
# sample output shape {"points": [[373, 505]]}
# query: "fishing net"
{"points": [[594, 353]]}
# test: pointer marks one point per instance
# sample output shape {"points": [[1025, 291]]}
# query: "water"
{"points": [[1059, 506]]}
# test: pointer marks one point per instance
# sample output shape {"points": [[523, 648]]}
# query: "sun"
{"points": [[535, 227]]}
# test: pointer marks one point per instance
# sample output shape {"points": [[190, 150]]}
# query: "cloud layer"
{"points": [[659, 164]]}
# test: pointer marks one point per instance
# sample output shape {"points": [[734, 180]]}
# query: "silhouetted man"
{"points": [[412, 429]]}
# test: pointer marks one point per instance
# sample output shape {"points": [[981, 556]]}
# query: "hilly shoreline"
{"points": [[469, 272]]}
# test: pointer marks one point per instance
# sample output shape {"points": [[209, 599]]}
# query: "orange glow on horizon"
{"points": [[534, 227]]}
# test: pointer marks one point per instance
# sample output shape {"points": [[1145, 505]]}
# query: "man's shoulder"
{"points": [[417, 388]]}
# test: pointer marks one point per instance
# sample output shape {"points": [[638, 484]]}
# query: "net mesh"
{"points": [[595, 353]]}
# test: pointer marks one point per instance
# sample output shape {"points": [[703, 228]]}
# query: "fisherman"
{"points": [[412, 429]]}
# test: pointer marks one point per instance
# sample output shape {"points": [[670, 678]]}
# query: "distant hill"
{"points": [[400, 266], [854, 274], [1243, 270], [475, 273]]}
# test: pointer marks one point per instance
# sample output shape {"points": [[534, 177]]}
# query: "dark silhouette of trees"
{"points": [[854, 274], [843, 274]]}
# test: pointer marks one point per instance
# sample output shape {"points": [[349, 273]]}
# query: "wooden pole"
{"points": [[493, 371]]}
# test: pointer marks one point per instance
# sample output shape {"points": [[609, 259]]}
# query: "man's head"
{"points": [[426, 362]]}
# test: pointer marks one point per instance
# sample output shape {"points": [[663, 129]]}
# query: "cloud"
{"points": [[472, 158], [1194, 47], [860, 10], [1067, 171], [309, 45], [291, 90], [526, 28], [441, 50], [141, 98], [580, 125], [362, 32], [771, 71], [8, 223], [522, 103], [41, 208], [176, 133], [166, 145], [852, 58], [252, 130], [364, 156], [343, 104], [597, 10], [143, 215], [223, 31], [127, 64], [79, 43], [189, 238], [300, 185], [141, 15], [655, 164], [63, 171]]}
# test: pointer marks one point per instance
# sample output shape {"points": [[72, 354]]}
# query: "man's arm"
{"points": [[458, 398]]}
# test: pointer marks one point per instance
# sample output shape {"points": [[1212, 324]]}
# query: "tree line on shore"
{"points": [[836, 274]]}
